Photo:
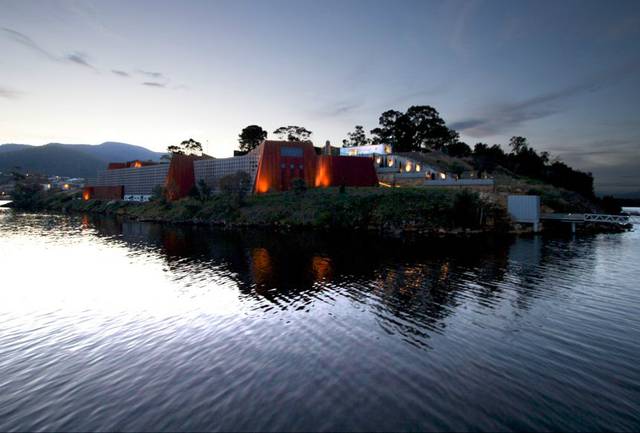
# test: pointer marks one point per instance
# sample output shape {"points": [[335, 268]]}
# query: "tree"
{"points": [[204, 190], [518, 144], [26, 195], [186, 147], [487, 158], [299, 186], [236, 186], [457, 169], [293, 133], [356, 138], [251, 137], [458, 149], [419, 129]]}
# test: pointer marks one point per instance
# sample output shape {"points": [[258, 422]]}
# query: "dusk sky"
{"points": [[565, 74]]}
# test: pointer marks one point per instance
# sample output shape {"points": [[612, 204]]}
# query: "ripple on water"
{"points": [[112, 325]]}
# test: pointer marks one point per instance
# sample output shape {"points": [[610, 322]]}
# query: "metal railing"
{"points": [[591, 217]]}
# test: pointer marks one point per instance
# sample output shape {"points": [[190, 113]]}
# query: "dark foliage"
{"points": [[251, 137], [523, 160], [186, 147], [299, 186], [419, 129], [236, 186], [458, 149], [356, 138], [293, 133], [27, 195], [204, 190], [610, 205]]}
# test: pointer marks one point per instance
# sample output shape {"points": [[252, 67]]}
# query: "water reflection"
{"points": [[108, 324], [416, 285]]}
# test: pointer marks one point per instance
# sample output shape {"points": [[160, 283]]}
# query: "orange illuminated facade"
{"points": [[282, 161], [274, 165]]}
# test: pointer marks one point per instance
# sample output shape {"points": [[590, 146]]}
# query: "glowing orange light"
{"points": [[262, 186], [86, 195], [137, 164], [323, 178], [322, 268]]}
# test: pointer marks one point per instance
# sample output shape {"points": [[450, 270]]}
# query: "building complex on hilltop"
{"points": [[273, 166]]}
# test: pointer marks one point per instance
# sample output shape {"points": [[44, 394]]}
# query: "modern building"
{"points": [[272, 166]]}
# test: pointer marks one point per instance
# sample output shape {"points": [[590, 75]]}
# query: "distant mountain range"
{"points": [[74, 160]]}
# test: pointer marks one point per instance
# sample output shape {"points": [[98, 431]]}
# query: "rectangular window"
{"points": [[291, 151]]}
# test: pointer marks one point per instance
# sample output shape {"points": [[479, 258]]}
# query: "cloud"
{"points": [[154, 75], [80, 59], [153, 84], [9, 94], [120, 73], [26, 41], [501, 117], [340, 108]]}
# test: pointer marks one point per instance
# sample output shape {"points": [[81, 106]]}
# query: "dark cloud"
{"points": [[120, 73], [154, 75], [502, 117], [80, 59], [341, 108], [9, 94], [26, 41], [153, 84], [467, 124]]}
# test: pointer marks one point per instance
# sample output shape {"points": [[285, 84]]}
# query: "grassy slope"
{"points": [[401, 209]]}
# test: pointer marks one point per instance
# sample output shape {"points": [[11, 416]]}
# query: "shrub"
{"points": [[204, 190], [236, 186], [26, 195], [466, 209], [299, 186]]}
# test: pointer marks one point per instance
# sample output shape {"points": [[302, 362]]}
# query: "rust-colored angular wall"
{"points": [[181, 178], [103, 193], [277, 169], [345, 170]]}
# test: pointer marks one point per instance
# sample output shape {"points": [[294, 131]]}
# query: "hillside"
{"points": [[11, 147], [75, 160]]}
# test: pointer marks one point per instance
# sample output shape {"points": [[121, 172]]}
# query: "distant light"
{"points": [[407, 167], [417, 167], [443, 176]]}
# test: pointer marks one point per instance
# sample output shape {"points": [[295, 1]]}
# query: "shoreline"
{"points": [[407, 213]]}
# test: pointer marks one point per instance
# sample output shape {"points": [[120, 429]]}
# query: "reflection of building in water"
{"points": [[261, 266], [414, 288], [321, 267]]}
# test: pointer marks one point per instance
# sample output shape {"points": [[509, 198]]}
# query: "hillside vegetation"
{"points": [[392, 211]]}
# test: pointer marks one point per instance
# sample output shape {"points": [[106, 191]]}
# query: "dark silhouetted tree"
{"points": [[356, 138], [251, 137], [293, 133], [458, 149], [186, 147], [419, 129], [204, 190]]}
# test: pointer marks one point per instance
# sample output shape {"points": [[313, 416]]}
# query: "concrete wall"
{"points": [[211, 170], [136, 181]]}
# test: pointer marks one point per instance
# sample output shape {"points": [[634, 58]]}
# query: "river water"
{"points": [[111, 325]]}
